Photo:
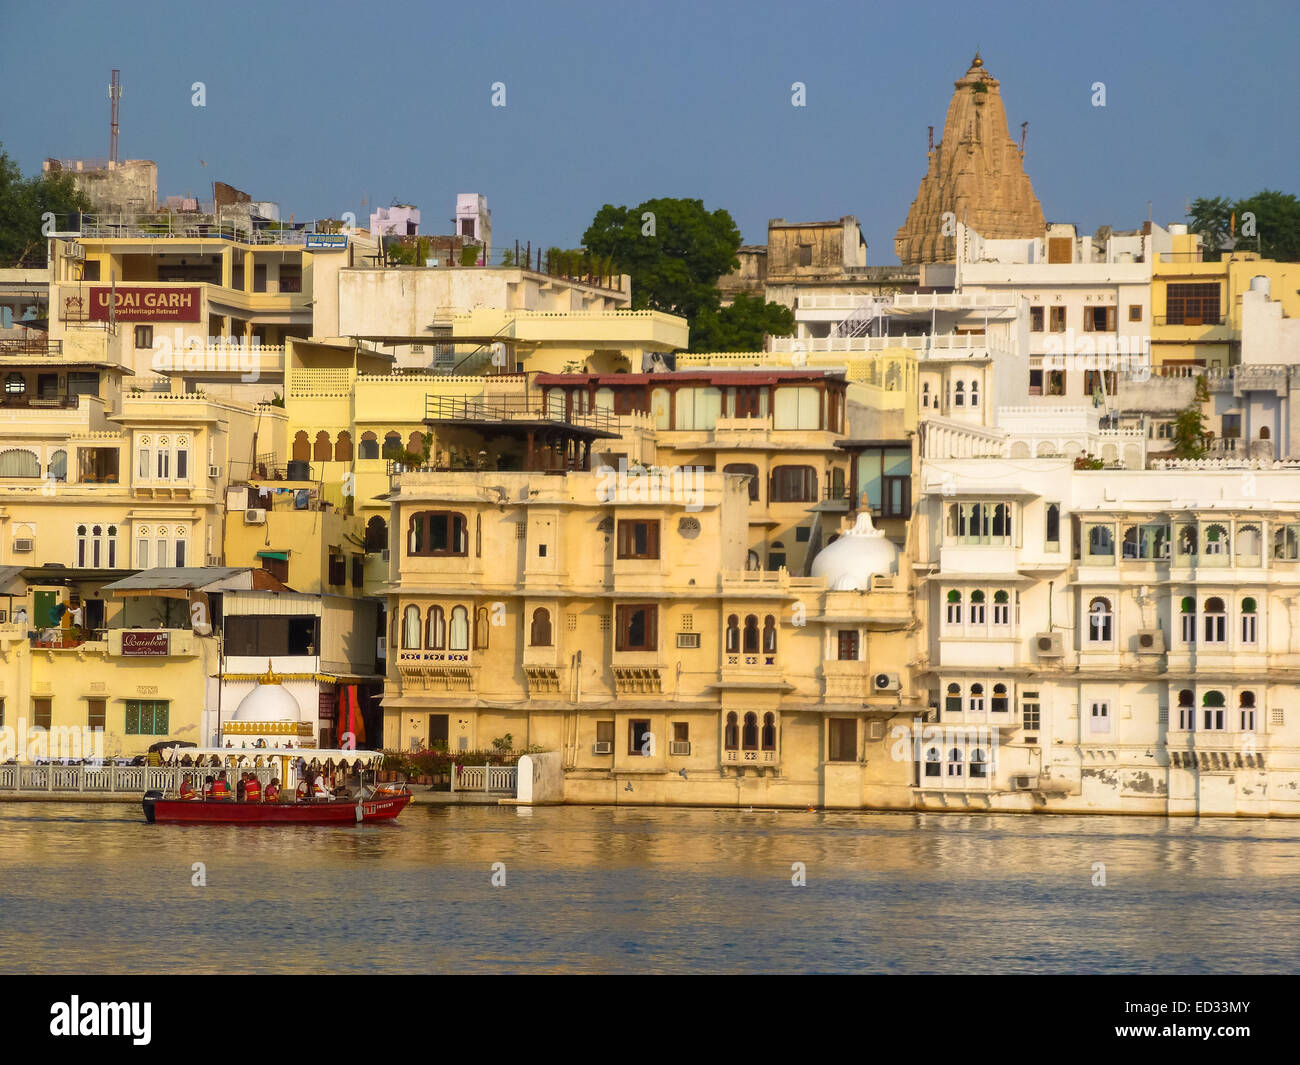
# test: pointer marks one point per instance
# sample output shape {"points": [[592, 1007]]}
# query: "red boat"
{"points": [[378, 805]]}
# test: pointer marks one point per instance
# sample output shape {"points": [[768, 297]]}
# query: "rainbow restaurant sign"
{"points": [[145, 304]]}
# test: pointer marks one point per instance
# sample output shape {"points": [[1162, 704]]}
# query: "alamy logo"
{"points": [[102, 1018]]}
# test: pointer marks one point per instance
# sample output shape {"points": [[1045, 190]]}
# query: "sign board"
{"points": [[146, 304], [327, 241], [135, 642]]}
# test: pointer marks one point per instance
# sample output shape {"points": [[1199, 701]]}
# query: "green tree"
{"points": [[1274, 216], [1189, 433], [742, 326], [23, 204], [1210, 218]]}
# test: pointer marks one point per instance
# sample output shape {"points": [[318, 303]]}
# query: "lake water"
{"points": [[92, 888]]}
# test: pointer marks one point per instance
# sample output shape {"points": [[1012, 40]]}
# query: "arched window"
{"points": [[769, 731], [933, 762], [977, 615], [1213, 712], [954, 762], [459, 637], [1053, 523], [769, 635], [733, 634], [435, 629], [794, 484], [19, 463], [1212, 698], [959, 394], [322, 452], [369, 445], [1001, 608], [1246, 699], [59, 466], [392, 444], [1246, 711], [482, 624], [974, 393], [751, 634], [1099, 621], [1186, 710], [343, 447], [83, 544], [376, 534], [731, 734], [999, 704], [750, 471], [1264, 433], [1216, 621], [978, 764], [1185, 697], [776, 555], [1101, 540], [1249, 544], [415, 444], [749, 740], [411, 628], [1249, 621], [15, 384], [925, 393], [437, 532], [1002, 522], [539, 634], [953, 615], [977, 698], [1187, 610], [1187, 539], [301, 446], [1216, 540], [952, 701]]}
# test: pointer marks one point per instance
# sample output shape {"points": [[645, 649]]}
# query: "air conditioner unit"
{"points": [[75, 251], [255, 517], [214, 472], [602, 747], [1151, 641], [24, 544], [1049, 645], [1024, 782], [886, 682], [679, 747]]}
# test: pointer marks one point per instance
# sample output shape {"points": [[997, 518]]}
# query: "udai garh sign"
{"points": [[145, 304]]}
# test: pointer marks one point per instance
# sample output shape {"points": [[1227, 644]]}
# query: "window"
{"points": [[977, 698], [925, 394], [979, 523], [1101, 541], [146, 717], [1099, 621], [1186, 710], [769, 634], [358, 570], [776, 555], [1249, 622], [1134, 312], [847, 645], [1286, 543], [1188, 613], [337, 570], [482, 626], [1099, 381], [1100, 717], [1053, 526], [83, 383], [459, 630], [731, 733], [605, 734], [933, 762], [974, 393], [952, 700], [1058, 319], [369, 446], [43, 712], [794, 484], [1216, 621], [1213, 712], [638, 539], [1146, 542], [1001, 609], [15, 383], [1035, 382], [411, 628], [638, 625], [143, 336], [978, 764], [842, 734], [733, 634], [1249, 545], [1187, 540], [639, 739], [438, 532], [1030, 711], [1099, 319], [955, 762], [1035, 319], [750, 471], [750, 641], [959, 394], [977, 608], [749, 734], [953, 616], [769, 731], [97, 714], [1192, 304], [539, 634], [1246, 708], [1000, 703], [1216, 540], [805, 255], [290, 277], [276, 567], [376, 534]]}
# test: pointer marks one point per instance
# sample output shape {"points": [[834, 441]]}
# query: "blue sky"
{"points": [[319, 105]]}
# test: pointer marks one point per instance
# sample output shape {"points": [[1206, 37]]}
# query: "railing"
{"points": [[506, 409], [65, 639], [32, 345], [188, 226], [1187, 319], [41, 402], [490, 779], [107, 779]]}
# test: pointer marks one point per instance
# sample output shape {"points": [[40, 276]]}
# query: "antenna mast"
{"points": [[114, 96]]}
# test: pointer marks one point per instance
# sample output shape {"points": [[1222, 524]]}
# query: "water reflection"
{"points": [[93, 888]]}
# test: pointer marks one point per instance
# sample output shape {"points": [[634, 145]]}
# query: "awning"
{"points": [[283, 556], [11, 580]]}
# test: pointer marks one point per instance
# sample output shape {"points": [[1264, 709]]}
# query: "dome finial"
{"points": [[268, 677], [977, 61]]}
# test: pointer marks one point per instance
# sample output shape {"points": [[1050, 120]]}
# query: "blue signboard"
{"points": [[327, 241]]}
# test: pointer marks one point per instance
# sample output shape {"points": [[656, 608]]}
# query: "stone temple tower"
{"points": [[976, 172]]}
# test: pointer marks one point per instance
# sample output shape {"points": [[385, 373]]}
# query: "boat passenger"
{"points": [[240, 785], [187, 788], [253, 789], [220, 789], [273, 790], [320, 789], [303, 791], [207, 788]]}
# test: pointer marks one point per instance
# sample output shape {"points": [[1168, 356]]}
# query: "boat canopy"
{"points": [[253, 757]]}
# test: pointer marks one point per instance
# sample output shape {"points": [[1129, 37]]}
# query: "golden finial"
{"points": [[268, 677], [977, 62]]}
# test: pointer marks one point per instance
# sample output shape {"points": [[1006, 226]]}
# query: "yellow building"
{"points": [[1196, 306], [613, 620]]}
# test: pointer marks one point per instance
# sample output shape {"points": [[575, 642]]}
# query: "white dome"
{"points": [[858, 555], [268, 702]]}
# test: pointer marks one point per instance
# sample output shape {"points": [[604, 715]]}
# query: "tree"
{"points": [[742, 326], [1189, 432], [675, 251], [1210, 218], [23, 205], [1274, 217]]}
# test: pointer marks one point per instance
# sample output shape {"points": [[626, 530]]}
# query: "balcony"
{"points": [[61, 415], [33, 344]]}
